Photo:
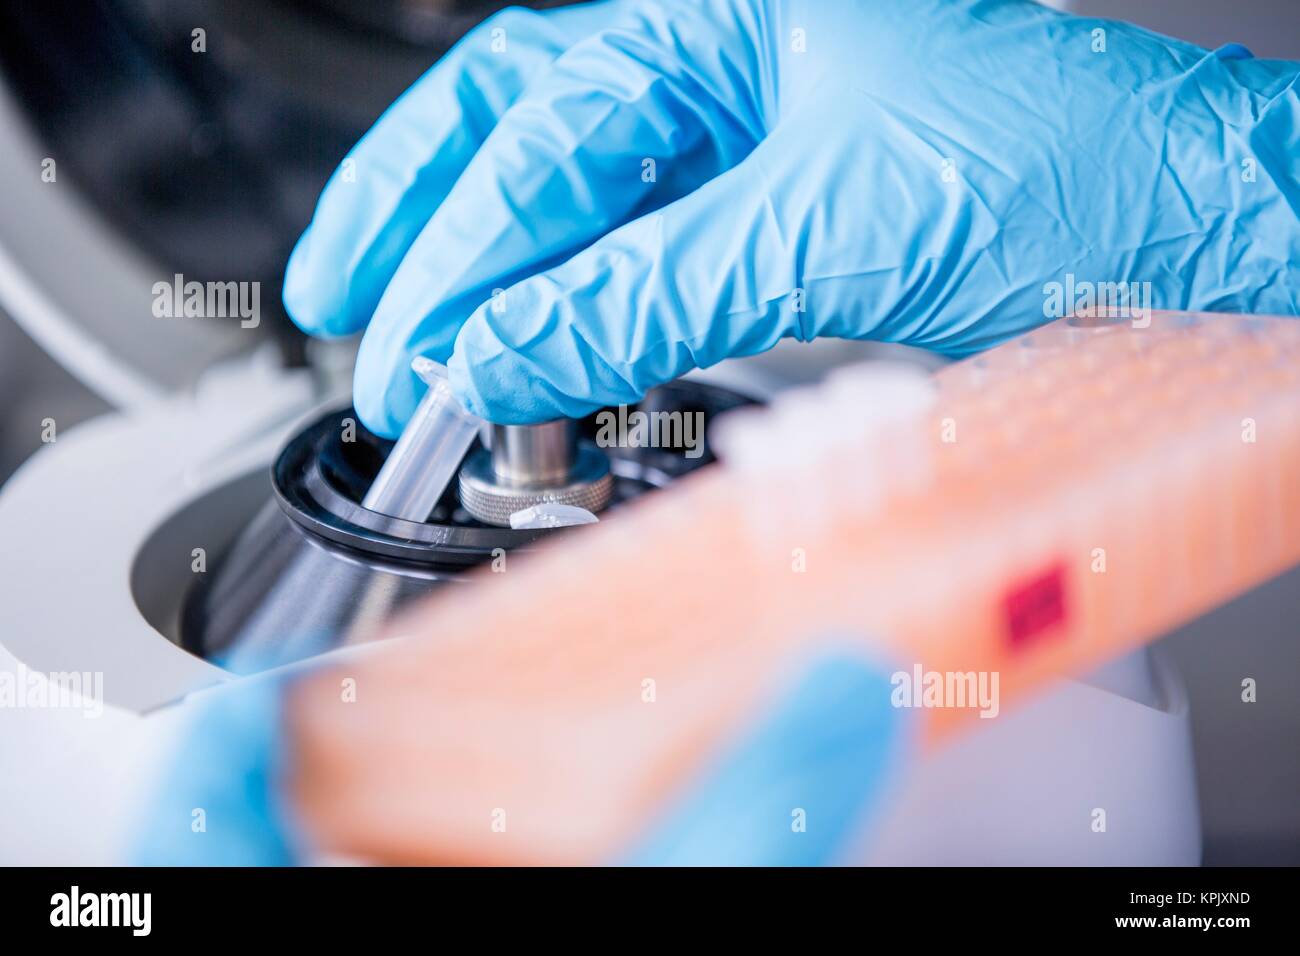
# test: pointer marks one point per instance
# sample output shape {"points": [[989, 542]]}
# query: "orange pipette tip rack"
{"points": [[1033, 511]]}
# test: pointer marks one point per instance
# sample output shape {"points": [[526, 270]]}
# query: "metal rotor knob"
{"points": [[531, 465]]}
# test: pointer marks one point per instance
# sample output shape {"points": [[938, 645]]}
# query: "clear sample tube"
{"points": [[427, 454]]}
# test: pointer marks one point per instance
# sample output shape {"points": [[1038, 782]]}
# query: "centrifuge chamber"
{"points": [[103, 527]]}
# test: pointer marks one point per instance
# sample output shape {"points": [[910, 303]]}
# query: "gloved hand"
{"points": [[220, 802], [795, 789], [575, 206]]}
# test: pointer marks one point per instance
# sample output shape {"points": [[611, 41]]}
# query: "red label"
{"points": [[1035, 605]]}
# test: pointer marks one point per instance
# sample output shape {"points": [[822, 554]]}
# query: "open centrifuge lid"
{"points": [[83, 294]]}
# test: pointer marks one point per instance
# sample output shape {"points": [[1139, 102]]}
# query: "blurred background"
{"points": [[209, 165]]}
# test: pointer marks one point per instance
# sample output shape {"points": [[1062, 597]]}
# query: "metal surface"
{"points": [[533, 456], [315, 569], [588, 485], [532, 465]]}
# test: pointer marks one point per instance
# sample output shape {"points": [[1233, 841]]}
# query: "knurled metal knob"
{"points": [[532, 465]]}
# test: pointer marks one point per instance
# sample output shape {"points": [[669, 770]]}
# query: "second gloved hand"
{"points": [[801, 785], [575, 206]]}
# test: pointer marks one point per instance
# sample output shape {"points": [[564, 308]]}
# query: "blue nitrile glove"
{"points": [[219, 802], [799, 787], [655, 185], [795, 789]]}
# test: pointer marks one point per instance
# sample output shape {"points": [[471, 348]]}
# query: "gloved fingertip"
{"points": [[385, 391], [464, 383], [505, 389], [373, 412], [316, 294], [535, 376]]}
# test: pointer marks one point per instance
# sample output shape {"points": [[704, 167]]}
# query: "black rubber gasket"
{"points": [[319, 480]]}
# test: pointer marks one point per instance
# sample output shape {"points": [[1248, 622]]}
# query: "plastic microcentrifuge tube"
{"points": [[430, 449]]}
